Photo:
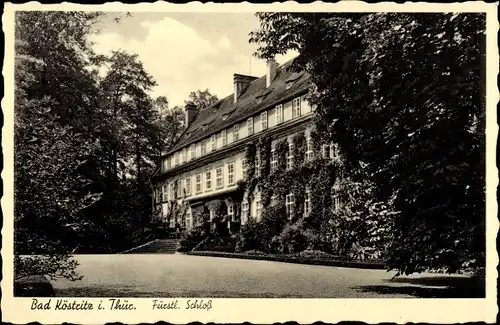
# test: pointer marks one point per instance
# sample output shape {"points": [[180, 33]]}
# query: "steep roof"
{"points": [[225, 113]]}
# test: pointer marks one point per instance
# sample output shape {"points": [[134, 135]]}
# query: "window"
{"points": [[250, 126], [214, 142], [258, 208], [325, 152], [219, 180], [187, 188], [329, 151], [172, 191], [274, 160], [176, 158], [309, 151], [244, 167], [244, 211], [263, 120], [296, 108], [230, 211], [230, 174], [236, 130], [224, 137], [289, 85], [279, 114], [193, 152], [307, 203], [184, 155], [334, 151], [290, 158], [172, 222], [179, 188], [203, 147], [289, 203], [166, 164], [157, 195], [208, 180], [189, 218], [165, 192], [212, 214], [335, 202], [198, 183]]}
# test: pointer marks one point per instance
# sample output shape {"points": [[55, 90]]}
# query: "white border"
{"points": [[18, 310]]}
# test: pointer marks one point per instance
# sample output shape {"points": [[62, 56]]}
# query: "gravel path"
{"points": [[176, 275]]}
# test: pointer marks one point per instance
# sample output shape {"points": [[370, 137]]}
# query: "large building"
{"points": [[208, 161]]}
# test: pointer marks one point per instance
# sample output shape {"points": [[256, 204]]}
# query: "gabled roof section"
{"points": [[255, 99]]}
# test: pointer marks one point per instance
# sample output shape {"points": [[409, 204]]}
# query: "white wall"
{"points": [[236, 159]]}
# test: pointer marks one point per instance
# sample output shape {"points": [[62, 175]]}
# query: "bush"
{"points": [[141, 236], [52, 266], [293, 239], [190, 239], [250, 237], [218, 244], [316, 254]]}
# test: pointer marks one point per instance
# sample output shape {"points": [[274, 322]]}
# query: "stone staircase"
{"points": [[157, 246]]}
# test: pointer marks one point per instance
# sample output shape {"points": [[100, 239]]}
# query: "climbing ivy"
{"points": [[318, 175], [264, 147]]}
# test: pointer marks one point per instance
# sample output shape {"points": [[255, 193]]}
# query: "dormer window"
{"points": [[225, 116], [260, 98], [288, 85]]}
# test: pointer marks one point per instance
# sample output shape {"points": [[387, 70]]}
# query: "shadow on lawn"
{"points": [[431, 287]]}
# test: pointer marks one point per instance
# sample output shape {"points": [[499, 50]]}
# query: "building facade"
{"points": [[199, 178]]}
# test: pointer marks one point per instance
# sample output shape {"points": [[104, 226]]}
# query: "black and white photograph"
{"points": [[190, 156]]}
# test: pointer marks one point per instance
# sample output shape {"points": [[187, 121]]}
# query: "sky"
{"points": [[185, 52]]}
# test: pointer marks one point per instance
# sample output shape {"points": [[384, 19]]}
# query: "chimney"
{"points": [[190, 111], [241, 83], [272, 65]]}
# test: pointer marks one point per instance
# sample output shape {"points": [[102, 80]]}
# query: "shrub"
{"points": [[250, 237], [293, 239], [190, 239], [53, 266], [272, 223], [216, 244]]}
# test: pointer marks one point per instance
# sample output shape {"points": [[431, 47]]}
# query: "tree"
{"points": [[171, 122], [85, 146], [403, 95], [55, 141], [202, 98]]}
